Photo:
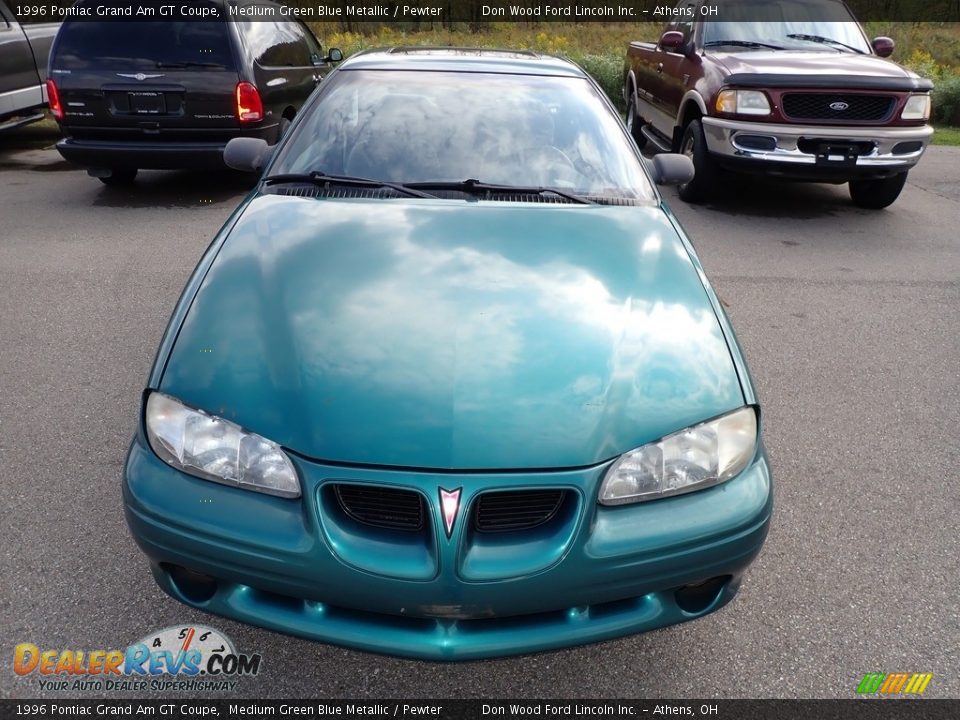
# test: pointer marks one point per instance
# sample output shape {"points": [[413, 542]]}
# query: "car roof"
{"points": [[516, 62]]}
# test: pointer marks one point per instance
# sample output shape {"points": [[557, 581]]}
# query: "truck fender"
{"points": [[690, 98]]}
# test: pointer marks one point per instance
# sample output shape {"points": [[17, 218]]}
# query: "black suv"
{"points": [[167, 94]]}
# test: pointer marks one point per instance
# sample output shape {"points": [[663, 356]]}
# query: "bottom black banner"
{"points": [[860, 709]]}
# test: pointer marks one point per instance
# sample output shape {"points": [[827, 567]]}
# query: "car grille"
{"points": [[382, 507], [504, 511], [816, 106]]}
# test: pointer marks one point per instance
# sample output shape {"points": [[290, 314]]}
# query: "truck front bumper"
{"points": [[804, 152]]}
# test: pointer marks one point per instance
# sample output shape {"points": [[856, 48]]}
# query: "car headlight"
{"points": [[916, 108], [691, 459], [216, 449], [743, 102]]}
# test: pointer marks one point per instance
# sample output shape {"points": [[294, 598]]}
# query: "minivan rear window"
{"points": [[87, 45]]}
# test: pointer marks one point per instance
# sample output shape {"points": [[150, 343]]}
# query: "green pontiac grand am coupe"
{"points": [[451, 383]]}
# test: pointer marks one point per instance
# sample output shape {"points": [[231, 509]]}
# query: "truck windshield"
{"points": [[431, 127], [788, 25]]}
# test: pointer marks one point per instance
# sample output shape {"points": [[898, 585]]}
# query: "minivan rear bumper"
{"points": [[157, 155], [154, 156]]}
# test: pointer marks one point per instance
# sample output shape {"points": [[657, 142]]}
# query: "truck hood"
{"points": [[453, 334], [816, 69]]}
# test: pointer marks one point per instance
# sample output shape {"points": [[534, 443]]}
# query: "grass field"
{"points": [[597, 47], [946, 136]]}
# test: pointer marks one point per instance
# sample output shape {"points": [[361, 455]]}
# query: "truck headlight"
{"points": [[916, 108], [743, 102], [691, 459], [215, 449]]}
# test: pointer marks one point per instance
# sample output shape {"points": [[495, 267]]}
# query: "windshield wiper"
{"points": [[319, 178], [823, 41], [190, 63], [742, 43], [475, 187]]}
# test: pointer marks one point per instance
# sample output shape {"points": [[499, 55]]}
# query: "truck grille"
{"points": [[845, 108], [382, 507], [503, 511]]}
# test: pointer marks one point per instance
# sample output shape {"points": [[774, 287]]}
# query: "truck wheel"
{"points": [[877, 194], [119, 177], [694, 146], [634, 123]]}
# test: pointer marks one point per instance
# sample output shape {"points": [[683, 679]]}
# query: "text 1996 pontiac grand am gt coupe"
{"points": [[451, 384]]}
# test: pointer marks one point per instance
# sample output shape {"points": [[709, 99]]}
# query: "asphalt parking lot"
{"points": [[850, 320]]}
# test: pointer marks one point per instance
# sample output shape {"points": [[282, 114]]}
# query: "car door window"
{"points": [[685, 25], [276, 44], [314, 51]]}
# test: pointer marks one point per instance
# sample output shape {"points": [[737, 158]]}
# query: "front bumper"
{"points": [[891, 150], [293, 566]]}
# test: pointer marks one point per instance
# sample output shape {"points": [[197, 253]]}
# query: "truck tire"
{"points": [[119, 177], [694, 146], [877, 194], [634, 123]]}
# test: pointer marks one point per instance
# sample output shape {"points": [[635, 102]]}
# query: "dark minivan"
{"points": [[170, 94]]}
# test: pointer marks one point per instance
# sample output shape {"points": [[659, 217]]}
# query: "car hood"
{"points": [[453, 334], [779, 62]]}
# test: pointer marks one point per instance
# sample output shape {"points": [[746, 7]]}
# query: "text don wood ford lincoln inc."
{"points": [[199, 658]]}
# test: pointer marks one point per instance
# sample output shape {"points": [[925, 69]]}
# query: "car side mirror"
{"points": [[671, 169], [334, 55], [672, 41], [247, 154], [883, 46]]}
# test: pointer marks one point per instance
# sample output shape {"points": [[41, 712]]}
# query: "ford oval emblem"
{"points": [[839, 106]]}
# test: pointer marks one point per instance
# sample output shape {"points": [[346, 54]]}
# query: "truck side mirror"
{"points": [[334, 55], [883, 46], [672, 41]]}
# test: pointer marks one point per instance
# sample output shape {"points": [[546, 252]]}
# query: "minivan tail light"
{"points": [[249, 104], [53, 98]]}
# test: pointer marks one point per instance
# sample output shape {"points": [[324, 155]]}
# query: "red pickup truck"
{"points": [[809, 98]]}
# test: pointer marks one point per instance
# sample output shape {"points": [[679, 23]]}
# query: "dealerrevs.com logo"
{"points": [[183, 657]]}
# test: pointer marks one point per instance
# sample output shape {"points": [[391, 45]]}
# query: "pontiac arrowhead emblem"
{"points": [[449, 506]]}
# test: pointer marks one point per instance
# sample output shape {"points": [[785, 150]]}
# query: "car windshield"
{"points": [[788, 24], [426, 127]]}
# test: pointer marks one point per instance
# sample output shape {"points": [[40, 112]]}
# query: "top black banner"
{"points": [[490, 709], [481, 11]]}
